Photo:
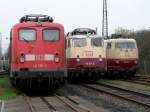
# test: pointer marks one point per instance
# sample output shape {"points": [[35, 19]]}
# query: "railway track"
{"points": [[132, 96], [55, 104], [145, 80], [2, 73], [138, 81]]}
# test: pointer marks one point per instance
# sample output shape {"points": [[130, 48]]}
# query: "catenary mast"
{"points": [[105, 20]]}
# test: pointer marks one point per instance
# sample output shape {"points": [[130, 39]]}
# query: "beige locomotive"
{"points": [[86, 56], [122, 57]]}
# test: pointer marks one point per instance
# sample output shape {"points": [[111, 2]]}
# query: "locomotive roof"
{"points": [[36, 18], [83, 36], [83, 31], [121, 40], [35, 24]]}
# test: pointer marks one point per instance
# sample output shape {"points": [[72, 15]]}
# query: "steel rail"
{"points": [[137, 82], [126, 90], [69, 105], [27, 99], [85, 108], [3, 72], [128, 96], [48, 104]]}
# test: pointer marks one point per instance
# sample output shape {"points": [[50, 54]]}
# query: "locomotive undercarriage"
{"points": [[122, 73], [84, 75], [38, 79]]}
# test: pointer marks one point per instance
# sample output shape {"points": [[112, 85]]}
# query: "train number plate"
{"points": [[90, 63]]}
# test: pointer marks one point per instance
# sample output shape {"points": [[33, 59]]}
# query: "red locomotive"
{"points": [[37, 51]]}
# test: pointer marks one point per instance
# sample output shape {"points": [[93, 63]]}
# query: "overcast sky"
{"points": [[130, 14]]}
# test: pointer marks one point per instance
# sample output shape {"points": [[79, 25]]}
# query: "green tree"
{"points": [[122, 31]]}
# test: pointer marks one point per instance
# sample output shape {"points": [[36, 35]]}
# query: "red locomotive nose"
{"points": [[37, 52]]}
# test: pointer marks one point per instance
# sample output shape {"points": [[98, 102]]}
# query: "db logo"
{"points": [[88, 53]]}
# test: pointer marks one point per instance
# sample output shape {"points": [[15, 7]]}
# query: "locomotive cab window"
{"points": [[131, 45], [120, 45], [27, 35], [79, 42], [50, 34], [96, 42], [127, 45]]}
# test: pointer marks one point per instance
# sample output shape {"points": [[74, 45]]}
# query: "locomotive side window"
{"points": [[51, 35], [96, 42], [27, 35], [125, 45], [79, 42]]}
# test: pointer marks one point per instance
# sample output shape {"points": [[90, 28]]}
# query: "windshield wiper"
{"points": [[25, 40]]}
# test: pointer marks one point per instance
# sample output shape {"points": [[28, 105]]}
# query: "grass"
{"points": [[6, 90]]}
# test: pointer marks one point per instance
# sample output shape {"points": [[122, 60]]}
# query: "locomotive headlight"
{"points": [[56, 58], [22, 58], [78, 58], [117, 61], [136, 62], [100, 58]]}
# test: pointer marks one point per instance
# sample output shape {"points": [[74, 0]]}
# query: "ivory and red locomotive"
{"points": [[122, 57], [86, 55]]}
